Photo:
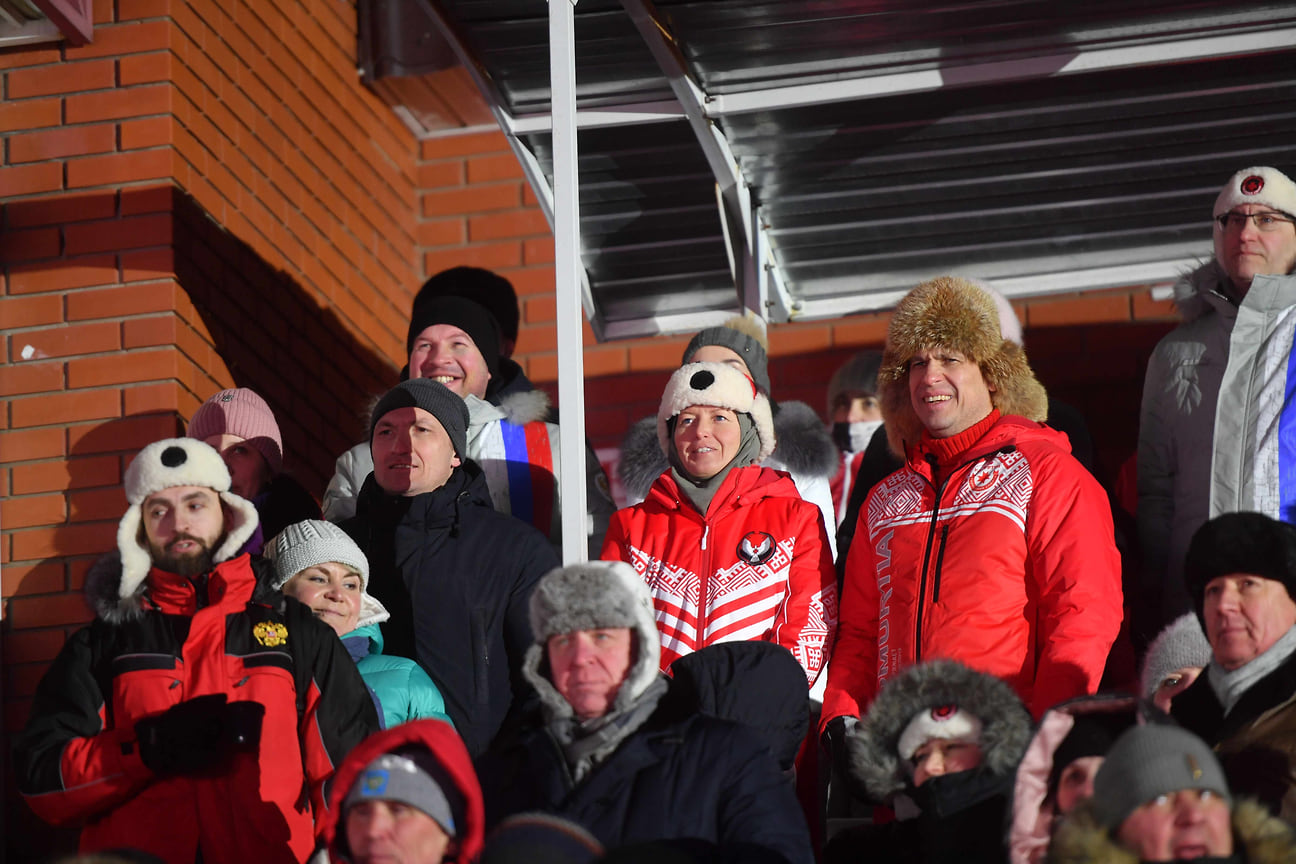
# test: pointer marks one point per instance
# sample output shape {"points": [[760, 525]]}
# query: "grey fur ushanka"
{"points": [[872, 747]]}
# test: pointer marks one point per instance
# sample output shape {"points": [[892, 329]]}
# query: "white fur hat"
{"points": [[166, 464], [1260, 185], [310, 542], [717, 384], [946, 722]]}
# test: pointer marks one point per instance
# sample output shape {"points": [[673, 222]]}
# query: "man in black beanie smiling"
{"points": [[455, 573], [1240, 574]]}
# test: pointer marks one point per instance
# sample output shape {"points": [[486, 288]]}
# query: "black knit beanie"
{"points": [[472, 318], [482, 286], [433, 397], [1240, 543]]}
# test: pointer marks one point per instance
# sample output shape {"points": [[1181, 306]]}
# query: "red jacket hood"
{"points": [[444, 744], [1008, 430]]}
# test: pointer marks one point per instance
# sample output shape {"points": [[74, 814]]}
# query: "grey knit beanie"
{"points": [[312, 542], [434, 398], [1182, 643], [592, 596], [741, 335], [1152, 760], [419, 782]]}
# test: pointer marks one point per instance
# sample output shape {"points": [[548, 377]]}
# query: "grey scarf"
{"points": [[1229, 686], [700, 492], [585, 744]]}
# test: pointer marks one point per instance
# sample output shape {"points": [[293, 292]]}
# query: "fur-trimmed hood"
{"points": [[871, 748], [804, 448], [104, 590], [1199, 291], [1264, 839], [956, 314]]}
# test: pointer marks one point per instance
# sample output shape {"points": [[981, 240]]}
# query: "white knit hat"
{"points": [[166, 464], [717, 384], [1260, 185], [310, 542], [946, 722]]}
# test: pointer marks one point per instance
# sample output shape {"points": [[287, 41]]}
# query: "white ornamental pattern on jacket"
{"points": [[743, 602], [1001, 484]]}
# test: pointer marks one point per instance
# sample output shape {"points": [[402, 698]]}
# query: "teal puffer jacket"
{"points": [[404, 691]]}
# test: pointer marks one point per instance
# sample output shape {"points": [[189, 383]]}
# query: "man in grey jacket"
{"points": [[1220, 378]]}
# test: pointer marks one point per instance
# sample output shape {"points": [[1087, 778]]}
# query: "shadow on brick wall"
{"points": [[276, 339]]}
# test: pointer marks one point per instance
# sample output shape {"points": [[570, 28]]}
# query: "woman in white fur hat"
{"points": [[729, 549], [317, 564]]}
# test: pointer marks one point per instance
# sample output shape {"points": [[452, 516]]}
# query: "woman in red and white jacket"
{"points": [[729, 549]]}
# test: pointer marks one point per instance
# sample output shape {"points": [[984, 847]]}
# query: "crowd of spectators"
{"points": [[418, 680]]}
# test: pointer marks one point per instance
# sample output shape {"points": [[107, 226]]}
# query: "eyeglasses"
{"points": [[1263, 221]]}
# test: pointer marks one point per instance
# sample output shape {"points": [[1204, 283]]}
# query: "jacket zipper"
{"points": [[940, 551]]}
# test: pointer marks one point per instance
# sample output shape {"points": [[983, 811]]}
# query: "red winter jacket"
{"points": [[77, 759], [444, 744], [1009, 565], [758, 566]]}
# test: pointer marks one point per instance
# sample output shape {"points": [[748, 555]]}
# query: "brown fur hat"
{"points": [[953, 313]]}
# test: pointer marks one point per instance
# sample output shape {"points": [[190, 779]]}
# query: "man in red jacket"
{"points": [[200, 714], [992, 545]]}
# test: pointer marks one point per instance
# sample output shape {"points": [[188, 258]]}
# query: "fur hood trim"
{"points": [[872, 747], [803, 447], [1264, 839], [953, 313], [1198, 290]]}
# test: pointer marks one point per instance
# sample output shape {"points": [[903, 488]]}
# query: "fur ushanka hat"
{"points": [[162, 465], [953, 313], [873, 748], [592, 596], [716, 384]]}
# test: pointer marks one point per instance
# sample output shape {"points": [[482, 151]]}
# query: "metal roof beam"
{"points": [[733, 192], [530, 165], [629, 114], [999, 72]]}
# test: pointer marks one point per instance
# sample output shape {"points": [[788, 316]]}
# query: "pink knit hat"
{"points": [[242, 413]]}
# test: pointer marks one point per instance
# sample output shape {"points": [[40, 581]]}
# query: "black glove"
{"points": [[200, 735]]}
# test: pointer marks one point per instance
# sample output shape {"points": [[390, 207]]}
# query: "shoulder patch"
{"points": [[270, 633]]}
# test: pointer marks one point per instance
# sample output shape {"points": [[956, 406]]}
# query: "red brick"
{"points": [[30, 56], [539, 251], [145, 68], [143, 332], [149, 132], [542, 367], [475, 199], [25, 378], [18, 312], [532, 280], [26, 444], [124, 300], [16, 246], [62, 275], [97, 504], [129, 368], [489, 169], [48, 611], [114, 168], [439, 174], [129, 434], [540, 310], [472, 144], [147, 199], [606, 360], [28, 511], [58, 143], [33, 646], [518, 223], [118, 104], [1085, 309], [864, 331], [798, 339], [130, 9], [61, 78], [62, 208], [151, 398], [654, 355], [131, 38], [30, 114], [64, 341], [74, 473], [440, 232], [492, 256], [30, 179], [68, 407]]}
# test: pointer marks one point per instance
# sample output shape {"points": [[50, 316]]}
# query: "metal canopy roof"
{"points": [[812, 158]]}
